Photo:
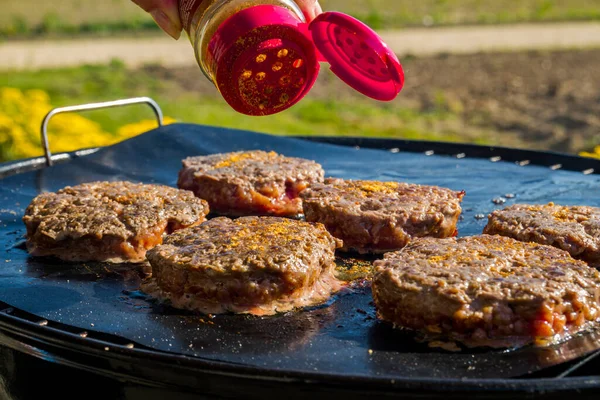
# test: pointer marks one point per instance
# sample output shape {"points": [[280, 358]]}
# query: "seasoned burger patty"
{"points": [[250, 183], [108, 221], [372, 216], [486, 290], [256, 265], [575, 229]]}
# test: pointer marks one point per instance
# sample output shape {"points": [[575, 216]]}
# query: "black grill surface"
{"points": [[342, 338]]}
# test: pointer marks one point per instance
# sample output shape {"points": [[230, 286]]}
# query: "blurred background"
{"points": [[500, 72]]}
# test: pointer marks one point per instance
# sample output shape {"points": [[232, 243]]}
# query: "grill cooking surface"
{"points": [[341, 338]]}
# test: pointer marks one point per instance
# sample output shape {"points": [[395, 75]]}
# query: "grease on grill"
{"points": [[353, 269], [448, 346]]}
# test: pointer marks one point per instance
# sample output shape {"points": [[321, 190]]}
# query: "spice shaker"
{"points": [[264, 57]]}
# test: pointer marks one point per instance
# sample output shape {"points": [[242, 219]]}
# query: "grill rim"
{"points": [[65, 348], [523, 157]]}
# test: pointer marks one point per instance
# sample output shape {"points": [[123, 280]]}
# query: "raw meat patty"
{"points": [[575, 229], [250, 183], [258, 265], [375, 217], [486, 290], [108, 221]]}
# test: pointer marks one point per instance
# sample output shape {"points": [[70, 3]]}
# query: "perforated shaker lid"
{"points": [[357, 55], [265, 61]]}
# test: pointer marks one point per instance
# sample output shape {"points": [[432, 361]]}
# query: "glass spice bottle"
{"points": [[263, 56]]}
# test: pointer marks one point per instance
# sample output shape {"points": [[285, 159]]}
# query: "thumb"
{"points": [[310, 8], [165, 13]]}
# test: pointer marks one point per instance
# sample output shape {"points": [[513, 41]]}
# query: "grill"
{"points": [[87, 321]]}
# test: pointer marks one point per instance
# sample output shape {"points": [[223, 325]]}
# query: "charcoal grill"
{"points": [[61, 323]]}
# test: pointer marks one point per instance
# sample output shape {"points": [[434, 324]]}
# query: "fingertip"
{"points": [[166, 23], [310, 9], [318, 10], [171, 8]]}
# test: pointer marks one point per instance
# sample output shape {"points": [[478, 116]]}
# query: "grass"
{"points": [[391, 14], [316, 114], [30, 18]]}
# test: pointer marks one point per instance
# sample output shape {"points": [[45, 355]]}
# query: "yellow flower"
{"points": [[137, 128], [38, 96], [21, 115], [595, 154]]}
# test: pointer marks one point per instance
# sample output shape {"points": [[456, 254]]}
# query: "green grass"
{"points": [[321, 114], [27, 18], [391, 14]]}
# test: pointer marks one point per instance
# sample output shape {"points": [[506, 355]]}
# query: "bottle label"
{"points": [[187, 9]]}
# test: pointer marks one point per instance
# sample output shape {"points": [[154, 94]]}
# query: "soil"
{"points": [[539, 99], [548, 100]]}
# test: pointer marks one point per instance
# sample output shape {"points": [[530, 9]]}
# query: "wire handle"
{"points": [[94, 106]]}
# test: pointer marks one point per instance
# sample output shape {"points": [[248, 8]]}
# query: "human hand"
{"points": [[166, 13], [310, 8]]}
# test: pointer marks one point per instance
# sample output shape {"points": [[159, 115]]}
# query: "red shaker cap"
{"points": [[264, 61], [357, 55]]}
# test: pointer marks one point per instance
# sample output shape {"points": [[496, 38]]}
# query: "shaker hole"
{"points": [[246, 74], [261, 76], [261, 58], [277, 66], [371, 60], [282, 53], [298, 63], [284, 98], [284, 80], [371, 71], [349, 41], [263, 104]]}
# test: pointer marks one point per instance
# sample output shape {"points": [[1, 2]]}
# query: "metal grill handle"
{"points": [[94, 106]]}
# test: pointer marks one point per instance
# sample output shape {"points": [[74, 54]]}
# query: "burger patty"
{"points": [[250, 183], [375, 217], [486, 290], [256, 265], [108, 221], [575, 229]]}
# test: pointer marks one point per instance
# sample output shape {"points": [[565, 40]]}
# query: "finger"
{"points": [[165, 13], [310, 8]]}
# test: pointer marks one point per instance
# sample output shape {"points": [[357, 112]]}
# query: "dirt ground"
{"points": [[548, 100], [538, 100]]}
